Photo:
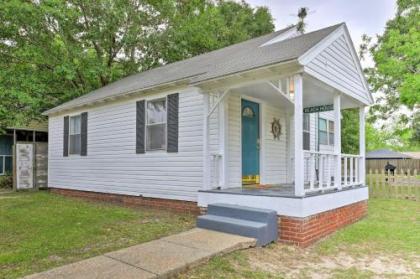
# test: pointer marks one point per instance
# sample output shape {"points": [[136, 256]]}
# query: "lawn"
{"points": [[386, 244], [41, 230]]}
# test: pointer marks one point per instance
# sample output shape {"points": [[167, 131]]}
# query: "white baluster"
{"points": [[351, 170], [328, 166], [312, 171], [321, 171], [345, 171], [356, 170]]}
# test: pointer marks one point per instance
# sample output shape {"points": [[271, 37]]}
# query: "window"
{"points": [[331, 132], [156, 125], [306, 131], [323, 132], [75, 135], [326, 132]]}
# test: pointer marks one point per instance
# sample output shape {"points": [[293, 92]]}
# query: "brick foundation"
{"points": [[173, 205], [305, 231]]}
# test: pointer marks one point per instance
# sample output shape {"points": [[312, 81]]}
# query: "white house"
{"points": [[255, 124]]}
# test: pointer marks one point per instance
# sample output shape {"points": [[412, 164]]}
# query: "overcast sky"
{"points": [[361, 16]]}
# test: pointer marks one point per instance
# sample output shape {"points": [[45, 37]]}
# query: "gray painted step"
{"points": [[258, 223], [241, 212]]}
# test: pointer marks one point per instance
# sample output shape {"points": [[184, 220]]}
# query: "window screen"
{"points": [[74, 135], [156, 125]]}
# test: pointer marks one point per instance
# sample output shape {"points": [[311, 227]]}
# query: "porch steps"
{"points": [[258, 223]]}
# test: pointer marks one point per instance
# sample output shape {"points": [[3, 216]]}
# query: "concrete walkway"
{"points": [[160, 258]]}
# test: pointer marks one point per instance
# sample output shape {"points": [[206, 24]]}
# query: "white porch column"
{"points": [[206, 165], [223, 143], [298, 137], [337, 140], [362, 146]]}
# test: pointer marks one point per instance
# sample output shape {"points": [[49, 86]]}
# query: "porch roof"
{"points": [[248, 55]]}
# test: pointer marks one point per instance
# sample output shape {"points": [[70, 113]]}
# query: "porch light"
{"points": [[292, 87]]}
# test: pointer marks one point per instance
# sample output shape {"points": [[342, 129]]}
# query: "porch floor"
{"points": [[277, 190]]}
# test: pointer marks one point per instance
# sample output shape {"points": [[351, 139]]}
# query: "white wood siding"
{"points": [[274, 153], [112, 165], [336, 66]]}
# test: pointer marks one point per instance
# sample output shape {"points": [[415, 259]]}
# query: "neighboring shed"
{"points": [[386, 154], [377, 159], [35, 133]]}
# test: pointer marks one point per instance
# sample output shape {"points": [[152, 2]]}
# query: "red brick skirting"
{"points": [[305, 231], [173, 205]]}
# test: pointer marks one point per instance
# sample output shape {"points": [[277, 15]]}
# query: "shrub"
{"points": [[6, 181]]}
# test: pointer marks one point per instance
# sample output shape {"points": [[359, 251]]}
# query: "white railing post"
{"points": [[362, 146], [337, 140], [351, 170], [298, 137]]}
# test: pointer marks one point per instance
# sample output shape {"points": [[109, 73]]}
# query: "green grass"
{"points": [[390, 233], [40, 230], [391, 226]]}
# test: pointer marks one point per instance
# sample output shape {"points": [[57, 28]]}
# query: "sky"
{"points": [[361, 16]]}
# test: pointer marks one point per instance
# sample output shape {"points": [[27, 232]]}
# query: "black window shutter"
{"points": [[66, 137], [83, 133], [140, 125], [172, 122]]}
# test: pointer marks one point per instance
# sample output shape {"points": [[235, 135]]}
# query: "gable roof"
{"points": [[236, 58], [386, 154]]}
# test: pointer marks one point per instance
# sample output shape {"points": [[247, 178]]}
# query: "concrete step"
{"points": [[257, 223], [242, 212]]}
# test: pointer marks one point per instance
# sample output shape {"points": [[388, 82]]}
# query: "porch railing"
{"points": [[321, 171]]}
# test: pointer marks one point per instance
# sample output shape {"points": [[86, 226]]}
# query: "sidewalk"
{"points": [[160, 258]]}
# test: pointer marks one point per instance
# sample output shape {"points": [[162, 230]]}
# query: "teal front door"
{"points": [[250, 142]]}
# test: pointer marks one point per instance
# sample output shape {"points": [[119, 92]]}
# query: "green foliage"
{"points": [[350, 131], [6, 181], [395, 77], [52, 51]]}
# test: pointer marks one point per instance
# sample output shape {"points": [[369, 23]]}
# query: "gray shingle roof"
{"points": [[386, 154], [229, 60]]}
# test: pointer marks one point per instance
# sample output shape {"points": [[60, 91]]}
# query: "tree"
{"points": [[396, 77], [52, 51]]}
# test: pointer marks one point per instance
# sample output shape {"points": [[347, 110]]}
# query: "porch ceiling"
{"points": [[316, 93], [265, 92]]}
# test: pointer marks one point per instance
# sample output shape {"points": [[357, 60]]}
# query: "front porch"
{"points": [[296, 158]]}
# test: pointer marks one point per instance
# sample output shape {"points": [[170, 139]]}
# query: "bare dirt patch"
{"points": [[294, 262]]}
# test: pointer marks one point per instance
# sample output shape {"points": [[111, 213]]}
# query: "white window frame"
{"points": [[154, 124], [70, 134]]}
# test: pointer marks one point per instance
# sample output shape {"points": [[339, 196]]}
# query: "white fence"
{"points": [[321, 171]]}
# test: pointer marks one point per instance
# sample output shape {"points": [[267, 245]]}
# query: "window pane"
{"points": [[323, 137], [322, 124], [306, 122], [75, 143], [1, 165], [331, 127], [306, 141], [156, 111], [156, 137], [75, 125], [8, 168], [331, 138]]}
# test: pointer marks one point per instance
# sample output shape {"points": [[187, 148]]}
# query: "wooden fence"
{"points": [[402, 184], [404, 164]]}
